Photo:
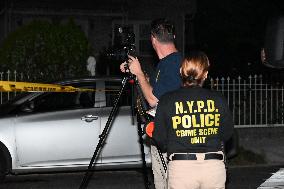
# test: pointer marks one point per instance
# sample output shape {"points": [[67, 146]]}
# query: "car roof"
{"points": [[88, 79]]}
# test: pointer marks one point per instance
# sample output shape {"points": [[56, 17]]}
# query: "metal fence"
{"points": [[253, 102], [8, 76]]}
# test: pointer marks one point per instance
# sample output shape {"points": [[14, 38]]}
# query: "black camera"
{"points": [[123, 44]]}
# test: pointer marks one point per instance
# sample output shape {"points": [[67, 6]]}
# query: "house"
{"points": [[100, 19]]}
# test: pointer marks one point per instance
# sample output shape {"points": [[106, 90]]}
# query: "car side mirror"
{"points": [[272, 54], [28, 107]]}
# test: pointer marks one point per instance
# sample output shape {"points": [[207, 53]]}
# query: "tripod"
{"points": [[105, 131]]}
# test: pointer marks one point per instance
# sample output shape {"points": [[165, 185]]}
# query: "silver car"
{"points": [[60, 131]]}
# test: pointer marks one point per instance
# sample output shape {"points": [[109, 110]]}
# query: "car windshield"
{"points": [[15, 98]]}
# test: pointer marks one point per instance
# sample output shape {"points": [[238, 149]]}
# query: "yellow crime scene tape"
{"points": [[13, 86]]}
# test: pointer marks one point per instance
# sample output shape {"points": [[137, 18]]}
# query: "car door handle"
{"points": [[89, 118]]}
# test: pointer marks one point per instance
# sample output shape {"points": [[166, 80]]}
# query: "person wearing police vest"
{"points": [[191, 124]]}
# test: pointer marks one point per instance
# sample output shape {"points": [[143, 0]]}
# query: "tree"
{"points": [[46, 51]]}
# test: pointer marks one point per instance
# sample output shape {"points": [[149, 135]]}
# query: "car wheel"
{"points": [[2, 167]]}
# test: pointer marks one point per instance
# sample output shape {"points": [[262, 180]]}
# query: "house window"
{"points": [[141, 30]]}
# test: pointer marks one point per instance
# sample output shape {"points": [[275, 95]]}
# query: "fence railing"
{"points": [[253, 102]]}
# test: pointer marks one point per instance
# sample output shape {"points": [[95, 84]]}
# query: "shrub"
{"points": [[46, 51]]}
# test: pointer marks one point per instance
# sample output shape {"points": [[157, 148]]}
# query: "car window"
{"points": [[104, 95], [57, 101]]}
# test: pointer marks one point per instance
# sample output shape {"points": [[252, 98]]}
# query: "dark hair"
{"points": [[194, 69], [163, 30]]}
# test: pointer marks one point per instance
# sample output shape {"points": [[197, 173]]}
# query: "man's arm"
{"points": [[147, 89]]}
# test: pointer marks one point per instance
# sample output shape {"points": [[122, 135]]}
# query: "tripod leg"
{"points": [[160, 155], [145, 172], [103, 136]]}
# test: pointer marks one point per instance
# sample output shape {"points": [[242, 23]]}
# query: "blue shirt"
{"points": [[167, 75]]}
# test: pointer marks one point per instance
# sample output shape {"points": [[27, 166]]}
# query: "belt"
{"points": [[193, 156]]}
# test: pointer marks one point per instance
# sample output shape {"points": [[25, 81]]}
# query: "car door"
{"points": [[62, 129], [122, 143]]}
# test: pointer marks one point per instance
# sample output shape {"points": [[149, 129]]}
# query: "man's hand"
{"points": [[123, 67], [133, 65]]}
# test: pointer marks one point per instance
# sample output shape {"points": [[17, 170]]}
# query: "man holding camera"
{"points": [[166, 78]]}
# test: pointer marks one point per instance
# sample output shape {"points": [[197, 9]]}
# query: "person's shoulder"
{"points": [[176, 55], [178, 58], [174, 60], [173, 55]]}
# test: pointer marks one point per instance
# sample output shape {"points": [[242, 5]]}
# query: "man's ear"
{"points": [[154, 39]]}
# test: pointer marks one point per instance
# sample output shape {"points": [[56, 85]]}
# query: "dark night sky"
{"points": [[231, 32]]}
